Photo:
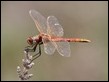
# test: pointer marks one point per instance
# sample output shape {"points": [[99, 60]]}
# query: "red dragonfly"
{"points": [[51, 33]]}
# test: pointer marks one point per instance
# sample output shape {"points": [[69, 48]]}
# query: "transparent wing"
{"points": [[39, 20], [63, 48], [54, 28], [49, 48]]}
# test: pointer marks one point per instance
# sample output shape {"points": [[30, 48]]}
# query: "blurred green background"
{"points": [[88, 61]]}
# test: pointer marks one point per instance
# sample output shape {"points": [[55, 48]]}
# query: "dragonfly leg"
{"points": [[31, 48], [38, 54]]}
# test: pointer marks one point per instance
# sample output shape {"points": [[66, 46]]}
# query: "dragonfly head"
{"points": [[30, 41]]}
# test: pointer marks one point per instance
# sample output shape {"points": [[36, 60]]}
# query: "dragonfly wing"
{"points": [[54, 28], [39, 20], [63, 48], [49, 48]]}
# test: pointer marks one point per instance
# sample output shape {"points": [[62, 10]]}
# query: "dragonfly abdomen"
{"points": [[70, 40]]}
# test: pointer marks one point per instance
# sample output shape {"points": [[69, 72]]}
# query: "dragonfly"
{"points": [[50, 36]]}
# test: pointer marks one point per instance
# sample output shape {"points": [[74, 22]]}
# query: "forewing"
{"points": [[39, 20], [63, 48], [49, 48], [54, 28]]}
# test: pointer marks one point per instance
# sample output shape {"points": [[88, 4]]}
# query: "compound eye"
{"points": [[30, 41]]}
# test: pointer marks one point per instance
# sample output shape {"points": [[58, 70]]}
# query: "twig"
{"points": [[27, 64]]}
